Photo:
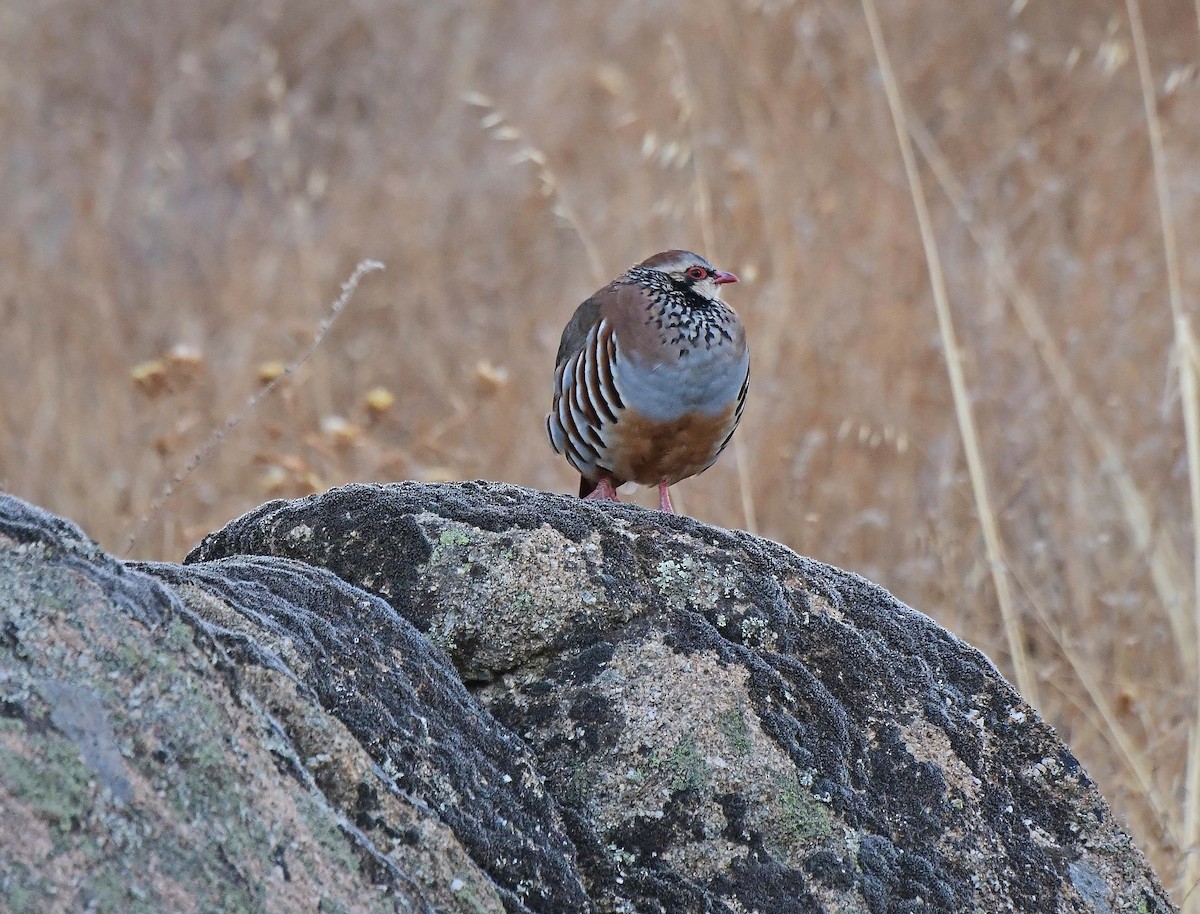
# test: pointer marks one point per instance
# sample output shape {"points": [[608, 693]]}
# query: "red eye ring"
{"points": [[697, 273]]}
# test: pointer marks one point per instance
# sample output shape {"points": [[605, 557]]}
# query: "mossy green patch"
{"points": [[326, 832], [110, 888], [804, 818], [454, 538], [685, 765], [53, 781], [180, 636], [49, 602], [132, 659], [732, 726], [21, 890]]}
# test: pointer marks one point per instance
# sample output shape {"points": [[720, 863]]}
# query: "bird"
{"points": [[650, 379]]}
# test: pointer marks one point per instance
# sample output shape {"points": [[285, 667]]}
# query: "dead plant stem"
{"points": [[958, 386]]}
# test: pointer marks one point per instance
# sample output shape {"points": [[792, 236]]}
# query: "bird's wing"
{"points": [[623, 305], [586, 316]]}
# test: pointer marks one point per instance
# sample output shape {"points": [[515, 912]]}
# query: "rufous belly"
{"points": [[649, 451]]}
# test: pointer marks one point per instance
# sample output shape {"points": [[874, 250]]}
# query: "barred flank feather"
{"points": [[586, 403]]}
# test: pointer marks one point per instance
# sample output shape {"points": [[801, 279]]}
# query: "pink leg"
{"points": [[604, 490], [664, 498]]}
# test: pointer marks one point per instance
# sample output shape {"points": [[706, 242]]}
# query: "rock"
{"points": [[657, 716], [161, 747]]}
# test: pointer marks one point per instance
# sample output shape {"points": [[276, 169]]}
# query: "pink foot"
{"points": [[604, 491], [664, 499]]}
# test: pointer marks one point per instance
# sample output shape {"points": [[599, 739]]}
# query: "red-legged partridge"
{"points": [[651, 377]]}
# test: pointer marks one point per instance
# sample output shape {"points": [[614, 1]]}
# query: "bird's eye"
{"points": [[697, 273]]}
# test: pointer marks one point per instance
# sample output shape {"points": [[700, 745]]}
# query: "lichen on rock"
{"points": [[478, 697]]}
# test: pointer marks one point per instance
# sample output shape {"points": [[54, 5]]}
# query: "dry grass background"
{"points": [[184, 186]]}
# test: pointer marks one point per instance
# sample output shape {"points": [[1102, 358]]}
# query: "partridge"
{"points": [[651, 377]]}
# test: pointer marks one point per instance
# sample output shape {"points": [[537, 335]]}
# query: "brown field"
{"points": [[185, 186]]}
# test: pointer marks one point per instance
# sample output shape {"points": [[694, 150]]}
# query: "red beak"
{"points": [[721, 277]]}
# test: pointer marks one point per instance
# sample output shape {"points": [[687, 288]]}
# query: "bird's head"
{"points": [[689, 272]]}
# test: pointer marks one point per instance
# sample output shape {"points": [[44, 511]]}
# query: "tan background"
{"points": [[185, 185]]}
